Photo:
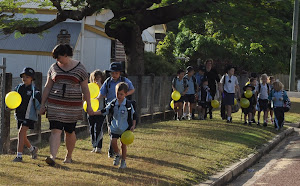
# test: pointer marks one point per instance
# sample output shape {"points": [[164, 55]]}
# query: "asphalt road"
{"points": [[294, 94], [281, 167]]}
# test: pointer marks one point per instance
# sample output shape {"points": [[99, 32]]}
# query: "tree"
{"points": [[131, 17]]}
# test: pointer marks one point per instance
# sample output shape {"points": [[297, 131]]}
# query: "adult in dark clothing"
{"points": [[213, 81]]}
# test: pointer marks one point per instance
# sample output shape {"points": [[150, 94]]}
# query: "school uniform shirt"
{"points": [[281, 94], [263, 94], [229, 83], [180, 85], [199, 78], [119, 121], [190, 83], [26, 94], [108, 88], [204, 94]]}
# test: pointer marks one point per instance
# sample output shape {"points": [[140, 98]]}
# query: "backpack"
{"points": [[286, 103], [185, 85], [129, 110]]}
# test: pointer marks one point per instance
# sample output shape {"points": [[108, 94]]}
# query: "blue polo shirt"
{"points": [[108, 88], [119, 121], [191, 86]]}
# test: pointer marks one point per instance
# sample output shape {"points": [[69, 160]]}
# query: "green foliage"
{"points": [[155, 64], [166, 48]]}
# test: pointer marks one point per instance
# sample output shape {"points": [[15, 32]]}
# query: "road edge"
{"points": [[237, 168]]}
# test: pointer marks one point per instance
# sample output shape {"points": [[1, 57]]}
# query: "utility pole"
{"points": [[292, 77]]}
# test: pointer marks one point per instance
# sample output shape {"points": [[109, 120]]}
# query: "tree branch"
{"points": [[57, 5]]}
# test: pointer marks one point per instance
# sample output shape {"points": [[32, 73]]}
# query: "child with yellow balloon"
{"points": [[179, 86], [96, 122], [26, 100], [247, 103]]}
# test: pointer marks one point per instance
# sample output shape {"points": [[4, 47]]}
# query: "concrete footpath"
{"points": [[280, 167], [232, 172]]}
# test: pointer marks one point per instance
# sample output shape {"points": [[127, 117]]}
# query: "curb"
{"points": [[236, 169]]}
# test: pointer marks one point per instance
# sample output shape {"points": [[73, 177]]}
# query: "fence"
{"points": [[152, 94], [3, 133]]}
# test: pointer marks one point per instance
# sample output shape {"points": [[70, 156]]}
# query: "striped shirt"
{"points": [[65, 98]]}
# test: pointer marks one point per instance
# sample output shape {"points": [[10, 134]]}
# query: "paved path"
{"points": [[294, 94], [281, 167]]}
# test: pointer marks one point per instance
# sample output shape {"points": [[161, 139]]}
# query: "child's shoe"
{"points": [[98, 150], [116, 160], [249, 123], [258, 124], [245, 123], [18, 159], [93, 150], [123, 164], [265, 124], [253, 121], [34, 152]]}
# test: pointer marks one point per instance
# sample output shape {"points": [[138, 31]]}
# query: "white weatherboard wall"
{"points": [[97, 52], [16, 62]]}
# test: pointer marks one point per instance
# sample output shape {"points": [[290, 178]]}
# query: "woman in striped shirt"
{"points": [[67, 80]]}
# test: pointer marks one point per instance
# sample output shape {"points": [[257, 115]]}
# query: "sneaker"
{"points": [[97, 150], [50, 161], [116, 160], [258, 124], [34, 152], [94, 149], [110, 154], [228, 121], [189, 117], [182, 118], [265, 124], [245, 123], [68, 160], [18, 159], [253, 121], [123, 164]]}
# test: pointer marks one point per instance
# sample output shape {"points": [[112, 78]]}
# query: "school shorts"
{"points": [[190, 98], [228, 98], [203, 104], [67, 127], [263, 104], [180, 100], [113, 135], [27, 123], [270, 106], [248, 110]]}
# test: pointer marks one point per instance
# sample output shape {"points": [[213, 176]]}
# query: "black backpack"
{"points": [[129, 110]]}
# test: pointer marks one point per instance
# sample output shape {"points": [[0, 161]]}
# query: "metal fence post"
{"points": [[38, 84]]}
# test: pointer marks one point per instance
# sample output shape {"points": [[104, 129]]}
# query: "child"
{"points": [[248, 111], [204, 99], [26, 113], [123, 118], [263, 90], [253, 82], [200, 75], [96, 121], [229, 85], [179, 84], [279, 97], [189, 98], [270, 105]]}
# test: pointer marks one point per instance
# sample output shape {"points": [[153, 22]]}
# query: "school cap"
{"points": [[248, 85], [189, 69], [28, 71], [115, 67]]}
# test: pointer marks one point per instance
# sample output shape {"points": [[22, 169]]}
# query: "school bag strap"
{"points": [[108, 80], [259, 87]]}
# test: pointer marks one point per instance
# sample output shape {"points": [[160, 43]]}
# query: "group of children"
{"points": [[268, 96], [119, 110]]}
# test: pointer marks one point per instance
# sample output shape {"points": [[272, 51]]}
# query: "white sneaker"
{"points": [[94, 150], [189, 117], [123, 164], [97, 150], [116, 160]]}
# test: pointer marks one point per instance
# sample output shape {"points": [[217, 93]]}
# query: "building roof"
{"points": [[32, 42]]}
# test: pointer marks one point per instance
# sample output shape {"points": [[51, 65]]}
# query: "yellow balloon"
{"points": [[244, 103], [248, 93], [215, 103], [172, 104], [13, 99], [127, 137], [235, 101], [175, 95], [94, 90], [94, 104]]}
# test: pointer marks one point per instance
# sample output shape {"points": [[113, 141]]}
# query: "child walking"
{"points": [[179, 84], [279, 97], [270, 105], [263, 91], [26, 113], [123, 118], [229, 85], [189, 98], [248, 111], [204, 99], [96, 121]]}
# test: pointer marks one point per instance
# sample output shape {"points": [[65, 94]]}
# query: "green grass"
{"points": [[293, 116], [163, 153]]}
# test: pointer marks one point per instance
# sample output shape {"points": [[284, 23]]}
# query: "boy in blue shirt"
{"points": [[123, 118], [26, 115], [179, 84], [108, 92], [190, 96]]}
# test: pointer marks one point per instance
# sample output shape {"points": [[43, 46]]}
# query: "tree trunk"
{"points": [[134, 49]]}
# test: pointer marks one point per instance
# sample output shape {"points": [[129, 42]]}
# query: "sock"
{"points": [[228, 118], [31, 148], [19, 154]]}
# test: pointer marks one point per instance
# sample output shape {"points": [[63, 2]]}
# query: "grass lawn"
{"points": [[163, 153]]}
